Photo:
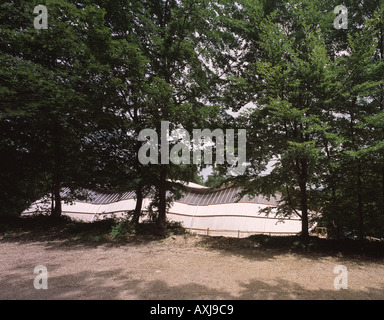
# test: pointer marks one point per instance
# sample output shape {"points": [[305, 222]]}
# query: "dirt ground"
{"points": [[179, 267]]}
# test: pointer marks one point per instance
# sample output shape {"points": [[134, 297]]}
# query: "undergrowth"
{"points": [[44, 227]]}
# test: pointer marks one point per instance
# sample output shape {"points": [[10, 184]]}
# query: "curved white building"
{"points": [[201, 210]]}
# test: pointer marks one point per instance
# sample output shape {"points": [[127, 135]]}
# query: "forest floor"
{"points": [[181, 266]]}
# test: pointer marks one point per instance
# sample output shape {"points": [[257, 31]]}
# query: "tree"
{"points": [[177, 44], [52, 84], [318, 99], [288, 80], [357, 100], [215, 179]]}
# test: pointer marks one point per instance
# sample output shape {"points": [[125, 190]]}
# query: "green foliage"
{"points": [[51, 81], [315, 245], [175, 228], [103, 68], [216, 179], [318, 96], [43, 227], [120, 230]]}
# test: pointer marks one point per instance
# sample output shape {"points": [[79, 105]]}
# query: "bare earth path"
{"points": [[179, 268]]}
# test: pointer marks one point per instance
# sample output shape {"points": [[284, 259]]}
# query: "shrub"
{"points": [[120, 230], [175, 227]]}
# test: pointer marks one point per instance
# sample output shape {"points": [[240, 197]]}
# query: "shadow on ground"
{"points": [[314, 248], [67, 234], [115, 285]]}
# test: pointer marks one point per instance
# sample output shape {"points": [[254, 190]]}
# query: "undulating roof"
{"points": [[192, 197]]}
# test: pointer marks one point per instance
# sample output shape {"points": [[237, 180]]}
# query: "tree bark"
{"points": [[381, 103], [161, 219], [301, 170], [57, 210], [382, 189], [139, 203], [360, 203], [304, 210]]}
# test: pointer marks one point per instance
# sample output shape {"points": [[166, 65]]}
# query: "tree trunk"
{"points": [[139, 203], [56, 212], [304, 210], [57, 208], [161, 219], [138, 169], [360, 203], [332, 185], [382, 189], [301, 167], [381, 104], [52, 199]]}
